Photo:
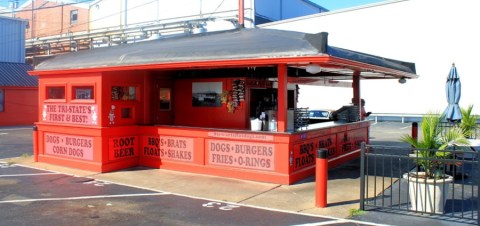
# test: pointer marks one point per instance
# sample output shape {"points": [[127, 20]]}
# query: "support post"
{"points": [[282, 98], [356, 93], [415, 130], [321, 178], [35, 143], [362, 176]]}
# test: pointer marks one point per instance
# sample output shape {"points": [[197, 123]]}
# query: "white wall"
{"points": [[431, 33]]}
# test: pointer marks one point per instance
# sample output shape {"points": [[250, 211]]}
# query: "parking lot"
{"points": [[30, 196]]}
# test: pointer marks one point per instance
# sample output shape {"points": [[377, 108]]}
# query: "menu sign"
{"points": [[304, 153], [168, 148], [122, 147], [82, 114], [241, 154], [69, 146]]}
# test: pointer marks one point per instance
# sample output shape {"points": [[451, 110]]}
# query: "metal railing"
{"points": [[389, 182], [445, 126]]}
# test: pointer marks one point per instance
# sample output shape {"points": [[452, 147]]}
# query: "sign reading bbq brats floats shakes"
{"points": [[259, 156], [79, 114], [168, 148]]}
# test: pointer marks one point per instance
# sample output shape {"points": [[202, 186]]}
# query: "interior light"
{"points": [[313, 68]]}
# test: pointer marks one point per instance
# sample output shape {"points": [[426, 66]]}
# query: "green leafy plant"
{"points": [[469, 122], [355, 212], [433, 144]]}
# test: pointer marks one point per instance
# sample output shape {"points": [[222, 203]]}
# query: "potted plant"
{"points": [[469, 122], [428, 185]]}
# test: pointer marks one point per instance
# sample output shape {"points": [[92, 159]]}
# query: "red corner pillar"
{"points": [[282, 98]]}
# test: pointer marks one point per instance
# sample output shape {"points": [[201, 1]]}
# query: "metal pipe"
{"points": [[241, 11]]}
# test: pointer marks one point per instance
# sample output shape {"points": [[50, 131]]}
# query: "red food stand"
{"points": [[187, 104]]}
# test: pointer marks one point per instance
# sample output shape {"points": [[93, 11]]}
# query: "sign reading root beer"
{"points": [[241, 154], [168, 148], [122, 147], [69, 146]]}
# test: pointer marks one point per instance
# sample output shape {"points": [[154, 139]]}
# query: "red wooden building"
{"points": [[186, 104], [18, 95]]}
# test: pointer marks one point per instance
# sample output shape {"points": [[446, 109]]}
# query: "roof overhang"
{"points": [[237, 48]]}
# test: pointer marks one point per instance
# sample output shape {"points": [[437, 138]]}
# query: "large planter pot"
{"points": [[427, 195]]}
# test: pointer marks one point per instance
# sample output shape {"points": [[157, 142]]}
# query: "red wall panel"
{"points": [[21, 106], [210, 117]]}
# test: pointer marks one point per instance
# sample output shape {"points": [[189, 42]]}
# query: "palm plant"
{"points": [[434, 143], [469, 122]]}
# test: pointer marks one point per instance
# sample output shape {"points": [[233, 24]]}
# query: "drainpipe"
{"points": [[241, 10]]}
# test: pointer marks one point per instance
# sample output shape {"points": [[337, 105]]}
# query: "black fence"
{"points": [[445, 126], [391, 180]]}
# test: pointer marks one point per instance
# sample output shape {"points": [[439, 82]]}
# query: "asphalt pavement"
{"points": [[34, 193]]}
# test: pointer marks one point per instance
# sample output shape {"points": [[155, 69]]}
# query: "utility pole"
{"points": [[33, 21]]}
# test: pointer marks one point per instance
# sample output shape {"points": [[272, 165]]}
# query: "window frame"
{"points": [[169, 99], [136, 95], [62, 100], [76, 86], [2, 100], [74, 13]]}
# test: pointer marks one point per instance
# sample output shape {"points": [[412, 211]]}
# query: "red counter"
{"points": [[261, 156]]}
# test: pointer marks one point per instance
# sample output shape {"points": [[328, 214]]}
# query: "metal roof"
{"points": [[233, 45], [15, 74]]}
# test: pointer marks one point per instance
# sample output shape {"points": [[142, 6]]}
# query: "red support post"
{"points": [[35, 143], [282, 119], [415, 130], [321, 178]]}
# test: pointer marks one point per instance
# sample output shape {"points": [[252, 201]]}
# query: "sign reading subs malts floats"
{"points": [[241, 154], [69, 146]]}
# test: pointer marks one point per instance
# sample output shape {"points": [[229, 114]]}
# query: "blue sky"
{"points": [[340, 4]]}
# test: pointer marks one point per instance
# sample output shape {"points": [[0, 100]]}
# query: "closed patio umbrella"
{"points": [[453, 89]]}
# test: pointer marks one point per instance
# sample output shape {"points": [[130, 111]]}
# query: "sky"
{"points": [[340, 4], [329, 4]]}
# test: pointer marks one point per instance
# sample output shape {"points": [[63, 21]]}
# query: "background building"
{"points": [[18, 90], [58, 26], [433, 34]]}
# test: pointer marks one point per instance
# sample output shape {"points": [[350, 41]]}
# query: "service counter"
{"points": [[274, 157]]}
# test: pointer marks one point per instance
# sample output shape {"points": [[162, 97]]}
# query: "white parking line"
{"points": [[27, 174], [16, 129], [339, 221], [3, 133], [406, 127], [334, 219], [82, 197]]}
